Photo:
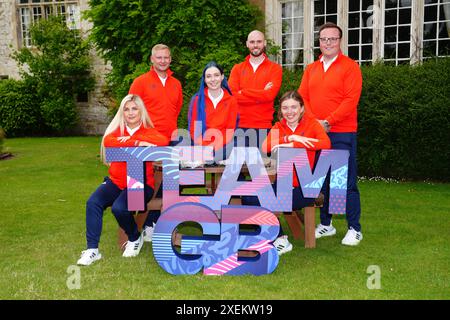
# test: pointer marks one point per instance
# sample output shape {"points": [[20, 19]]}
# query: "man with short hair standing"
{"points": [[255, 84], [160, 91], [163, 99], [331, 88]]}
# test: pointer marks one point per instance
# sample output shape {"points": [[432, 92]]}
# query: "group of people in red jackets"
{"points": [[321, 114]]}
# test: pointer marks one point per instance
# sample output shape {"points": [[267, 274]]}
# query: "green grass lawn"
{"points": [[43, 191]]}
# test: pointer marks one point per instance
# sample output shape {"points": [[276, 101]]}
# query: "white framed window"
{"points": [[292, 19], [324, 11], [436, 28], [31, 11], [360, 30], [397, 31]]}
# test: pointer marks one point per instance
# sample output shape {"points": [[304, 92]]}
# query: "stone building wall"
{"points": [[8, 39], [92, 114]]}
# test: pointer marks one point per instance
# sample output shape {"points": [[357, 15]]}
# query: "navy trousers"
{"points": [[106, 195], [345, 141]]}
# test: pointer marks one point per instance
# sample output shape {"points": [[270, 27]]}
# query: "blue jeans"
{"points": [[106, 195], [345, 141]]}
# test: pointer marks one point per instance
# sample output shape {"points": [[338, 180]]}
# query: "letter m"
{"points": [[311, 183]]}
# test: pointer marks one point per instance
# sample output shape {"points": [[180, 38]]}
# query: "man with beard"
{"points": [[255, 84]]}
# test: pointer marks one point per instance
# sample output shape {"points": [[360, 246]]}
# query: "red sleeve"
{"points": [[317, 132], [352, 92], [136, 88], [234, 80], [151, 135], [261, 95], [180, 100], [111, 141], [303, 90]]}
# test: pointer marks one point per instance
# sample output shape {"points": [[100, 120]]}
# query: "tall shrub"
{"points": [[58, 65], [20, 112], [196, 31]]}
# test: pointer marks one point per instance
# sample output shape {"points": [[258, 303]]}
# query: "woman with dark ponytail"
{"points": [[212, 115]]}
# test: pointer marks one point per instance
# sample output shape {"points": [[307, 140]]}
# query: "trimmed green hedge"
{"points": [[403, 119]]}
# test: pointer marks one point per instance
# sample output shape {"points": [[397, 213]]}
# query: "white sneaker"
{"points": [[282, 245], [352, 238], [148, 233], [325, 231], [132, 248], [88, 257]]}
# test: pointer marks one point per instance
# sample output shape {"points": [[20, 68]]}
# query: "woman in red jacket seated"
{"points": [[213, 107], [294, 130], [131, 127]]}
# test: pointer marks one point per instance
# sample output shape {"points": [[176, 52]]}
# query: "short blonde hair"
{"points": [[158, 47]]}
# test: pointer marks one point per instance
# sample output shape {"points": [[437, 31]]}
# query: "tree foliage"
{"points": [[58, 66], [196, 31]]}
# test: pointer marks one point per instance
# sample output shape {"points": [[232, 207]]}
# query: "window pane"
{"points": [[389, 51], [366, 4], [390, 17], [353, 20], [286, 9], [444, 47], [366, 52], [353, 6], [287, 26], [353, 36], [391, 4], [367, 35], [319, 7], [390, 34], [298, 25], [405, 3], [332, 18], [318, 21], [430, 13], [367, 19], [332, 6], [297, 40], [429, 48], [297, 9], [403, 50], [353, 52], [404, 16], [444, 30], [431, 1], [429, 31], [404, 33], [284, 56], [298, 56]]}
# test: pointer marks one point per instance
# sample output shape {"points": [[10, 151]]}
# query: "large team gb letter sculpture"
{"points": [[216, 251]]}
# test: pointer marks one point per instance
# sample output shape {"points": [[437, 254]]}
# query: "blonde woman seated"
{"points": [[131, 127]]}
